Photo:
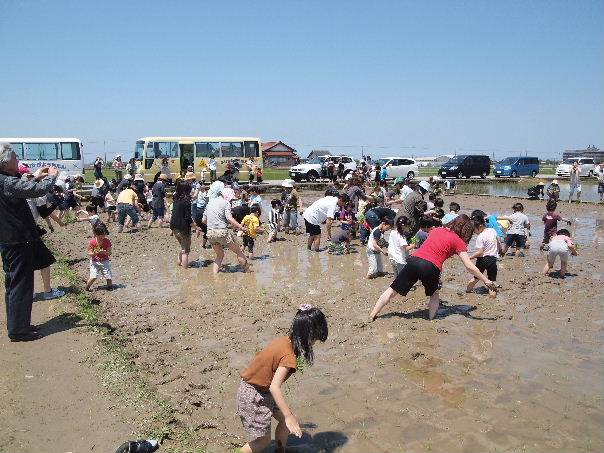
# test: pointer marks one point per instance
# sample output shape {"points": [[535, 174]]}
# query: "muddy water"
{"points": [[519, 188], [521, 372]]}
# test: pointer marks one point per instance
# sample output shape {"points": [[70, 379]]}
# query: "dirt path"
{"points": [[51, 399]]}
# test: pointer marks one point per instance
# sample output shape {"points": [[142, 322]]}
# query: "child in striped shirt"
{"points": [[274, 218]]}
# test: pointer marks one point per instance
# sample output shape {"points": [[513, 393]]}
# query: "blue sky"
{"points": [[416, 78]]}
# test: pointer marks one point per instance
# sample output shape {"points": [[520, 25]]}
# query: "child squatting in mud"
{"points": [[260, 396]]}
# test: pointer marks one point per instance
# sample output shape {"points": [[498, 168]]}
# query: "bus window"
{"points": [[150, 152], [231, 149], [166, 149], [139, 150], [41, 151], [207, 149], [70, 151], [18, 149], [251, 149]]}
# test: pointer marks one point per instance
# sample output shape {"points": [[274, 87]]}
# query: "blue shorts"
{"points": [[158, 212]]}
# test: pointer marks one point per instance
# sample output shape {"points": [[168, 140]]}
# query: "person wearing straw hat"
{"points": [[217, 216], [158, 201], [553, 191], [97, 198], [141, 189], [291, 206]]}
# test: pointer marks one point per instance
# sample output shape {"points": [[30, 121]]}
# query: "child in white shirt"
{"points": [[398, 249], [487, 250]]}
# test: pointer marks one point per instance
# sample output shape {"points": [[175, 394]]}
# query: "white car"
{"points": [[587, 165], [311, 170], [398, 167], [316, 168]]}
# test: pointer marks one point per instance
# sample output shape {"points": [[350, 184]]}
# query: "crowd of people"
{"points": [[404, 221]]}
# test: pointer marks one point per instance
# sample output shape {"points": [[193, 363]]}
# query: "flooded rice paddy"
{"points": [[518, 188], [522, 372]]}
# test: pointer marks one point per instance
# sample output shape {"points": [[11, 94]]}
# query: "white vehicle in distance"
{"points": [[350, 164], [311, 170], [587, 165], [397, 167], [65, 153], [317, 168]]}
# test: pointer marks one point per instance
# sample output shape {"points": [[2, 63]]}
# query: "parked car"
{"points": [[350, 164], [517, 166], [465, 166], [311, 170], [587, 165], [316, 168], [397, 167]]}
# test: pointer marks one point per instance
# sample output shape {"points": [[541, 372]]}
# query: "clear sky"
{"points": [[415, 78]]}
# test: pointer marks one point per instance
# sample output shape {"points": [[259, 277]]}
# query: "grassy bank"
{"points": [[120, 375]]}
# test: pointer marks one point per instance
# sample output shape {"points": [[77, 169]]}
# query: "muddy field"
{"points": [[522, 372]]}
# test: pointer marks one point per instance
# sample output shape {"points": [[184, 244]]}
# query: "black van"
{"points": [[464, 166]]}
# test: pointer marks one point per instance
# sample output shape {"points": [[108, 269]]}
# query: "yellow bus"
{"points": [[181, 152]]}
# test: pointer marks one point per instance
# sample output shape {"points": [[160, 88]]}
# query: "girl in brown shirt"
{"points": [[260, 396]]}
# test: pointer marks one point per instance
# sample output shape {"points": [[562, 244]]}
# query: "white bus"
{"points": [[63, 153]]}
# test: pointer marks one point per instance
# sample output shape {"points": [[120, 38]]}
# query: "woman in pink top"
{"points": [[560, 245], [426, 264]]}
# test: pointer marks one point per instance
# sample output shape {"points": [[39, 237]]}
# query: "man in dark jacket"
{"points": [[20, 244]]}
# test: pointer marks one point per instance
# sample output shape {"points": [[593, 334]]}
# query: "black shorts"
{"points": [[312, 229], [488, 263], [518, 239], [417, 269], [601, 187], [42, 257], [248, 243]]}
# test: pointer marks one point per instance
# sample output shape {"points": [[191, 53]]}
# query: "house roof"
{"points": [[319, 152], [266, 146]]}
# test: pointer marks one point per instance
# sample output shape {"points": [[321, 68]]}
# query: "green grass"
{"points": [[65, 270]]}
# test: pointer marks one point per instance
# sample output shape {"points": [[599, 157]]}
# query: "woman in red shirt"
{"points": [[426, 264]]}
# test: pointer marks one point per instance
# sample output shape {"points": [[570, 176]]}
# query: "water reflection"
{"points": [[518, 189]]}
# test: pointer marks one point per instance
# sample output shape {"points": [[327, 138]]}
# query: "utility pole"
{"points": [[104, 151]]}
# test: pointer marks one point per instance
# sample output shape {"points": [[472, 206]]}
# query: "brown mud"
{"points": [[522, 372]]}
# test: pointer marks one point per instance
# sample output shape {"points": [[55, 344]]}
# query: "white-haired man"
{"points": [[20, 244]]}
